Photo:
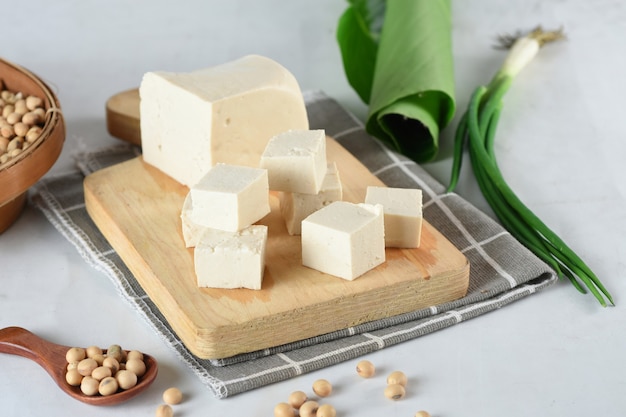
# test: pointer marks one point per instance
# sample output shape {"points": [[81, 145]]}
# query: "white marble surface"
{"points": [[561, 144]]}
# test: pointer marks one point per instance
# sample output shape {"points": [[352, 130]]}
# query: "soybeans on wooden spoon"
{"points": [[51, 356]]}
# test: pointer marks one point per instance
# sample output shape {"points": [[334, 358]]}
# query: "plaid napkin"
{"points": [[502, 271]]}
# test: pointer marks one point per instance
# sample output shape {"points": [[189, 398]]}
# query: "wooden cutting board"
{"points": [[137, 208]]}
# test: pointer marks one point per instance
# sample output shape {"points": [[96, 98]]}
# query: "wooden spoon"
{"points": [[51, 357]]}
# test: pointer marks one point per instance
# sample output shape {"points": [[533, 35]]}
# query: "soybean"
{"points": [[164, 410], [31, 118], [99, 358], [395, 392], [365, 369], [86, 366], [101, 372], [397, 377], [75, 354], [16, 143], [115, 351], [134, 354], [284, 410], [326, 410], [297, 398], [91, 350], [309, 409], [89, 386], [108, 386], [73, 377], [112, 364], [322, 387], [32, 102], [126, 379], [7, 131], [14, 117], [31, 136], [172, 396], [21, 129], [20, 106], [137, 366]]}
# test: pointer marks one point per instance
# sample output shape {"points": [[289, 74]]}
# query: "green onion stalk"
{"points": [[476, 131]]}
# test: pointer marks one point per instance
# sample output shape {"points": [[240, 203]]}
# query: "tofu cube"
{"points": [[344, 239], [403, 214], [226, 113], [231, 260], [230, 197], [295, 207], [296, 161], [191, 230]]}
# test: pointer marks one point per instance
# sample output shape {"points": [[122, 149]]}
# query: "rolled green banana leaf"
{"points": [[397, 55]]}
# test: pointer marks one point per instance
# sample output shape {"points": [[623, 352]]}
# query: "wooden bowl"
{"points": [[19, 173]]}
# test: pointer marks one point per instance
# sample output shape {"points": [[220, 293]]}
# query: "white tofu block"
{"points": [[296, 161], [191, 230], [231, 260], [226, 113], [230, 197], [295, 207], [344, 239], [403, 214]]}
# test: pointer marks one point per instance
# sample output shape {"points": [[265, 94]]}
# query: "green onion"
{"points": [[476, 131]]}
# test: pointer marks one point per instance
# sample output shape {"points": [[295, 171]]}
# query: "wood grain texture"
{"points": [[137, 208], [122, 116]]}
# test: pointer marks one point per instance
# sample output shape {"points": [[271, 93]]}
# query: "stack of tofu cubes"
{"points": [[338, 238], [227, 200], [298, 169], [218, 219]]}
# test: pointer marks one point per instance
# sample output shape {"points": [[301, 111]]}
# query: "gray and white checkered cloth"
{"points": [[502, 270]]}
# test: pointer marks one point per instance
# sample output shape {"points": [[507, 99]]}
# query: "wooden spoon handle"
{"points": [[16, 341], [19, 341]]}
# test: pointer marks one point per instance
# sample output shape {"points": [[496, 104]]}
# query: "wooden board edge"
{"points": [[268, 332], [122, 116]]}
